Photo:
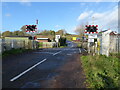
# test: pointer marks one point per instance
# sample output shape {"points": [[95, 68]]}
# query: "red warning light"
{"points": [[87, 25]]}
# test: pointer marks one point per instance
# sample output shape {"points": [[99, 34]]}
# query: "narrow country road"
{"points": [[30, 70]]}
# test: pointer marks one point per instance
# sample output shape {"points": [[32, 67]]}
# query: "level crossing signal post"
{"points": [[91, 31], [31, 29]]}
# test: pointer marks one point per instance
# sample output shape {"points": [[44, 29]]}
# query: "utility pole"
{"points": [[118, 41], [33, 34], [93, 20], [94, 39], [32, 29]]}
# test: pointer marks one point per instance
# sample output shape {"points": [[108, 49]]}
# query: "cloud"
{"points": [[105, 20], [82, 4], [108, 19], [57, 26], [99, 1], [25, 2], [8, 15], [84, 15]]}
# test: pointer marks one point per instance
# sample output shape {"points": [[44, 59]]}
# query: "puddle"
{"points": [[69, 54], [33, 84], [30, 85]]}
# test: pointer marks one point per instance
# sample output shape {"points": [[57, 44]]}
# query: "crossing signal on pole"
{"points": [[37, 21], [32, 38], [31, 28], [91, 29]]}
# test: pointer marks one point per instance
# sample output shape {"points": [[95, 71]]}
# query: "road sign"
{"points": [[57, 37], [31, 28], [74, 38], [91, 29], [32, 38], [92, 36], [90, 40]]}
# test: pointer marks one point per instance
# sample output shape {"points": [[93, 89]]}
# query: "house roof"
{"points": [[45, 36], [103, 31], [17, 36], [42, 38], [112, 33]]}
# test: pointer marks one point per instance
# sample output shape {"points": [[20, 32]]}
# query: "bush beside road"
{"points": [[101, 71]]}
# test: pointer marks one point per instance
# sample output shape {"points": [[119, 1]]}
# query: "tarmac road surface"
{"points": [[29, 70]]}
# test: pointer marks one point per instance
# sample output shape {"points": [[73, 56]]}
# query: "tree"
{"points": [[0, 33], [18, 33], [52, 32], [7, 33], [61, 32], [21, 33], [48, 32], [45, 32], [23, 28], [80, 29], [62, 41]]}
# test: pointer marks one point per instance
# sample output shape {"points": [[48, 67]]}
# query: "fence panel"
{"points": [[48, 44], [8, 44]]}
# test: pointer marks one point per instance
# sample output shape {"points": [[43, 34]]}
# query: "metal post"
{"points": [[118, 42], [33, 41], [93, 19], [88, 47], [94, 48]]}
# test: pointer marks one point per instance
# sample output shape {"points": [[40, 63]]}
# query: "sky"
{"points": [[59, 15]]}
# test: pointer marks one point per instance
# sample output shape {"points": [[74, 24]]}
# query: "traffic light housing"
{"points": [[91, 29], [31, 28], [32, 38]]}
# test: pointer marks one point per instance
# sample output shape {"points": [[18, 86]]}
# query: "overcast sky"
{"points": [[59, 15]]}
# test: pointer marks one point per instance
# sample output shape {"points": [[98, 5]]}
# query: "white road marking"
{"points": [[75, 52], [85, 50], [79, 50], [44, 52], [56, 53], [18, 76], [70, 49], [69, 54], [72, 45]]}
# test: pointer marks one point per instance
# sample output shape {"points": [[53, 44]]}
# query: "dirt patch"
{"points": [[71, 75]]}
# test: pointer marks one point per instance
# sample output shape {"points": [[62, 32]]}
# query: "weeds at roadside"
{"points": [[14, 51], [101, 71]]}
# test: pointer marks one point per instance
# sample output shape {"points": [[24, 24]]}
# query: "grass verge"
{"points": [[14, 51], [62, 46], [101, 71]]}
